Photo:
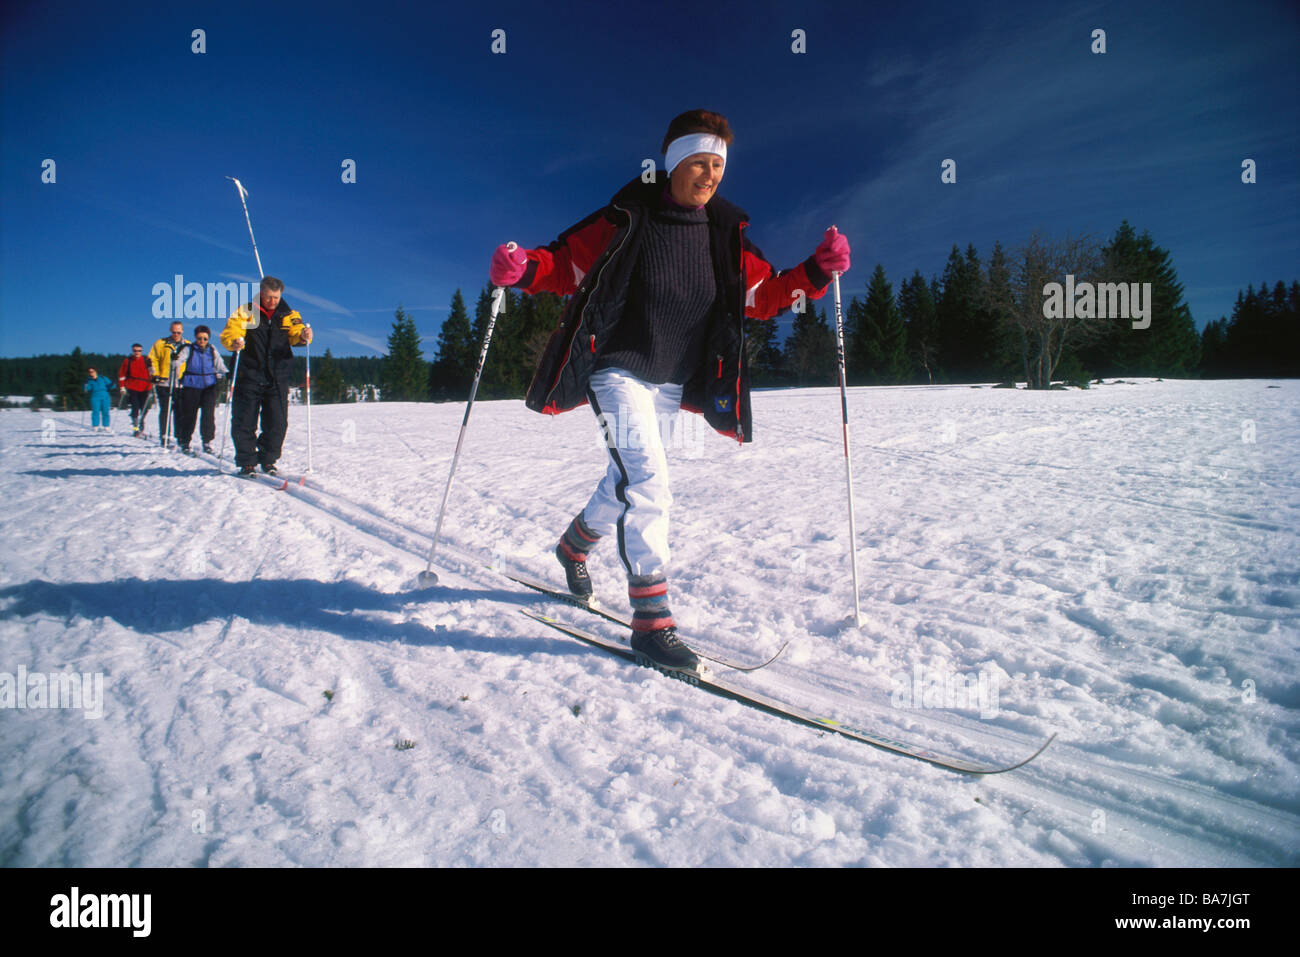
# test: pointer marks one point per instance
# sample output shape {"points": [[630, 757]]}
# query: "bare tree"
{"points": [[1043, 337]]}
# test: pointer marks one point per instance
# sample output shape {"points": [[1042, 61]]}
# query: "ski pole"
{"points": [[308, 390], [234, 375], [148, 407], [429, 576], [848, 463], [172, 383], [242, 194], [230, 407]]}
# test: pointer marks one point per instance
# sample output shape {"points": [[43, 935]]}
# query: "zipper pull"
{"points": [[593, 345]]}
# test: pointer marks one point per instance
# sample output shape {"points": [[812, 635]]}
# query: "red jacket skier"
{"points": [[135, 378]]}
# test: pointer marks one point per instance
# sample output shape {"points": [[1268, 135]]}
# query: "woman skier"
{"points": [[661, 280]]}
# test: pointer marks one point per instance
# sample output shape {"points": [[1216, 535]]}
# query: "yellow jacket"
{"points": [[160, 357], [267, 340]]}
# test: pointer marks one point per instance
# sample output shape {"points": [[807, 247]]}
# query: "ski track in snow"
{"points": [[1120, 565]]}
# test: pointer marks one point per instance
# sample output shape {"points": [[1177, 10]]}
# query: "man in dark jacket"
{"points": [[263, 334], [660, 281]]}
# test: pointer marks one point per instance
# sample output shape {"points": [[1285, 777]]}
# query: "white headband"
{"points": [[691, 144]]}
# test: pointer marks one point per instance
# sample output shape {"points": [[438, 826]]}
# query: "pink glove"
{"points": [[508, 265], [832, 255]]}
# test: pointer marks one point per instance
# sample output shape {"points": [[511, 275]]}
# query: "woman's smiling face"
{"points": [[695, 179]]}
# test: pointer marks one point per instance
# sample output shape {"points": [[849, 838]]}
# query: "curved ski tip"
{"points": [[779, 652], [1041, 749]]}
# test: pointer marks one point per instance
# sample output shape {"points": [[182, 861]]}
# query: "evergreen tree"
{"points": [[1000, 363], [453, 370], [328, 386], [952, 309], [917, 310], [1214, 357], [405, 373], [1170, 346], [983, 345], [1290, 323], [72, 380], [857, 350], [810, 350], [883, 333], [1263, 336], [968, 335]]}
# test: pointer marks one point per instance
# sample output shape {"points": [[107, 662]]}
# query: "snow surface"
{"points": [[1120, 564]]}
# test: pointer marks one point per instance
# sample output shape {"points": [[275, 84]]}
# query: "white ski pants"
{"points": [[633, 498]]}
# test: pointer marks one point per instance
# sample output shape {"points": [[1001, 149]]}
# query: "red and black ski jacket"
{"points": [[592, 262]]}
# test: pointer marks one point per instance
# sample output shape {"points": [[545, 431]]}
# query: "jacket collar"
{"points": [[646, 196]]}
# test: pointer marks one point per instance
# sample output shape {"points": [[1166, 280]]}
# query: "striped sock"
{"points": [[578, 539], [649, 597]]}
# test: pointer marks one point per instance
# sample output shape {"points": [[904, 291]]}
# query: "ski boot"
{"points": [[664, 651], [576, 574]]}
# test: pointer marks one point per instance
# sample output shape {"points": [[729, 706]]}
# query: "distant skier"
{"points": [[135, 380], [101, 399], [265, 333], [661, 280], [161, 359], [198, 390]]}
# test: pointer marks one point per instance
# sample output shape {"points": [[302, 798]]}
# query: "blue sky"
{"points": [[458, 149]]}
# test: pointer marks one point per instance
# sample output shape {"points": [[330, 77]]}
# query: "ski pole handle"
{"points": [[505, 268]]}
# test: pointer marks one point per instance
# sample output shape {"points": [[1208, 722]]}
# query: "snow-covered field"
{"points": [[1120, 566]]}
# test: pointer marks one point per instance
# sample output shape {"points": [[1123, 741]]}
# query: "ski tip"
{"points": [[1021, 764]]}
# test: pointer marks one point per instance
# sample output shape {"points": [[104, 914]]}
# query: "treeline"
{"points": [[990, 320], [58, 376], [993, 320], [1260, 340], [56, 380], [523, 326], [982, 320]]}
